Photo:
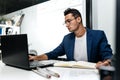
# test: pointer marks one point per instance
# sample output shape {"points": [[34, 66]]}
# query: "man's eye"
{"points": [[69, 21]]}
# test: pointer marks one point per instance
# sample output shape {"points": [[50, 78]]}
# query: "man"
{"points": [[81, 44]]}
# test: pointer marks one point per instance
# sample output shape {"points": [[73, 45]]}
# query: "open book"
{"points": [[76, 64]]}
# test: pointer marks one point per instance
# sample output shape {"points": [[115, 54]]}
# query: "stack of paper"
{"points": [[76, 64]]}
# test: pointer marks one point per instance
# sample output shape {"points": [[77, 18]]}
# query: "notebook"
{"points": [[14, 49]]}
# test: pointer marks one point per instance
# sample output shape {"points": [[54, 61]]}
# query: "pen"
{"points": [[41, 73], [48, 65], [52, 73]]}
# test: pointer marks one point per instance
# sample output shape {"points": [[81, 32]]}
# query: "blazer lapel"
{"points": [[89, 44], [72, 42]]}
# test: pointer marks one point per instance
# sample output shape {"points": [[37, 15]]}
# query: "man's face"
{"points": [[72, 23]]}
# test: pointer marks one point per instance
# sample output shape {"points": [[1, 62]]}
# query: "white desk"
{"points": [[12, 73]]}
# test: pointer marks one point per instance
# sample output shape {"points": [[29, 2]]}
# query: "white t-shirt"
{"points": [[80, 49]]}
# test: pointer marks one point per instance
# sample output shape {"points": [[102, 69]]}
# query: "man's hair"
{"points": [[73, 11]]}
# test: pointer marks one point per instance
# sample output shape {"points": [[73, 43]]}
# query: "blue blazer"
{"points": [[98, 48]]}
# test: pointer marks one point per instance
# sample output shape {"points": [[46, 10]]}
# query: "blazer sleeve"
{"points": [[59, 51], [105, 48]]}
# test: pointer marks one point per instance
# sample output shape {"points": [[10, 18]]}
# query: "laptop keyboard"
{"points": [[35, 64], [43, 63]]}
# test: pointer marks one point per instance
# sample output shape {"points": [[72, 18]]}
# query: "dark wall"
{"points": [[117, 65], [89, 14], [2, 7], [118, 27], [7, 6]]}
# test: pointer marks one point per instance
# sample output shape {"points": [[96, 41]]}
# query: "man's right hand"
{"points": [[32, 57], [38, 57]]}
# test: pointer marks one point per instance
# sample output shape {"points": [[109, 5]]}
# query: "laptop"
{"points": [[14, 49]]}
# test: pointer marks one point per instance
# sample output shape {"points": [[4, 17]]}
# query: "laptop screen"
{"points": [[15, 50]]}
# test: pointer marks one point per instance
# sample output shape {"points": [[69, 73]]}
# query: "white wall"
{"points": [[104, 18], [34, 22], [44, 23]]}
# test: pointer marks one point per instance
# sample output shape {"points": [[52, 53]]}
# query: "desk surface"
{"points": [[12, 73]]}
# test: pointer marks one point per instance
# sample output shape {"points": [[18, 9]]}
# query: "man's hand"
{"points": [[103, 63], [32, 57], [40, 57]]}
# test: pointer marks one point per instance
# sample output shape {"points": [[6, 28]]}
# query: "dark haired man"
{"points": [[82, 44]]}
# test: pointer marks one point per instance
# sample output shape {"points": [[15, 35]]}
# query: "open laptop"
{"points": [[14, 49]]}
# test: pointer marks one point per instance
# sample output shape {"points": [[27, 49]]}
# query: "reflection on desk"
{"points": [[12, 73]]}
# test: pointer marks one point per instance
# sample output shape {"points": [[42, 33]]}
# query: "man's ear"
{"points": [[79, 19]]}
